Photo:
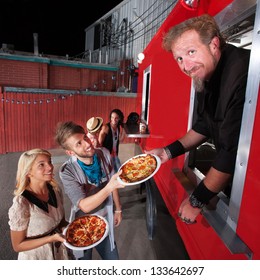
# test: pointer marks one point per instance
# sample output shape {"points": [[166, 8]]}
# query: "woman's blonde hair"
{"points": [[25, 163]]}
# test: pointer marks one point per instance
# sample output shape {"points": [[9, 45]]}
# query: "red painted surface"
{"points": [[248, 225], [26, 126], [168, 120]]}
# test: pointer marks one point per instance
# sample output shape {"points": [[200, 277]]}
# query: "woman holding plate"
{"points": [[36, 217]]}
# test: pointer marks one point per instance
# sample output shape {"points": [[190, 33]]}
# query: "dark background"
{"points": [[60, 24]]}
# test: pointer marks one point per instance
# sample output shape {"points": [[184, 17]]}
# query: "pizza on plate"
{"points": [[85, 231], [138, 168]]}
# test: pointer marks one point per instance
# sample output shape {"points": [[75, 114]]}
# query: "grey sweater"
{"points": [[77, 187]]}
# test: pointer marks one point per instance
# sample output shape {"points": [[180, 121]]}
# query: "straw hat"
{"points": [[94, 123]]}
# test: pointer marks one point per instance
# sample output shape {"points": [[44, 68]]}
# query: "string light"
{"points": [[60, 97], [102, 82], [34, 102]]}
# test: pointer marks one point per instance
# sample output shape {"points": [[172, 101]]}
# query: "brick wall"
{"points": [[23, 74], [35, 96], [43, 73]]}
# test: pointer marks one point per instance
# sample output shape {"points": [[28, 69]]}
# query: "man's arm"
{"points": [[189, 141], [116, 199], [213, 183], [118, 208], [192, 139], [91, 202], [76, 191], [216, 181]]}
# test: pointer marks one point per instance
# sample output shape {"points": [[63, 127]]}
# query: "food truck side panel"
{"points": [[170, 92]]}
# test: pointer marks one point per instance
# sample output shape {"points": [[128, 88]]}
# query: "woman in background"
{"points": [[36, 217], [112, 134]]}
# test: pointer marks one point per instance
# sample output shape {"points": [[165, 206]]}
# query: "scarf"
{"points": [[92, 171]]}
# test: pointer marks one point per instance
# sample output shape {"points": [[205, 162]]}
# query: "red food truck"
{"points": [[230, 228]]}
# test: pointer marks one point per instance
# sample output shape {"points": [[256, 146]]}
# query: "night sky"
{"points": [[60, 26]]}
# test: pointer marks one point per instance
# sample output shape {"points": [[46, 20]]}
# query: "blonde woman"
{"points": [[36, 217]]}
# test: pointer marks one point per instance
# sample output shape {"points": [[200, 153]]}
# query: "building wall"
{"points": [[23, 73], [37, 93], [131, 26], [35, 72]]}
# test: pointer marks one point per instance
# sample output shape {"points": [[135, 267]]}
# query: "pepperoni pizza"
{"points": [[138, 168], [85, 231]]}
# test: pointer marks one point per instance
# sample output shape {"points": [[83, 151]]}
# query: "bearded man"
{"points": [[219, 74]]}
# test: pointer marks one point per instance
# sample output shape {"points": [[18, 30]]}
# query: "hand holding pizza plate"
{"points": [[139, 169], [86, 232]]}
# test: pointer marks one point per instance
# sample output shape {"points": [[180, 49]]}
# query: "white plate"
{"points": [[67, 244], [158, 160]]}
